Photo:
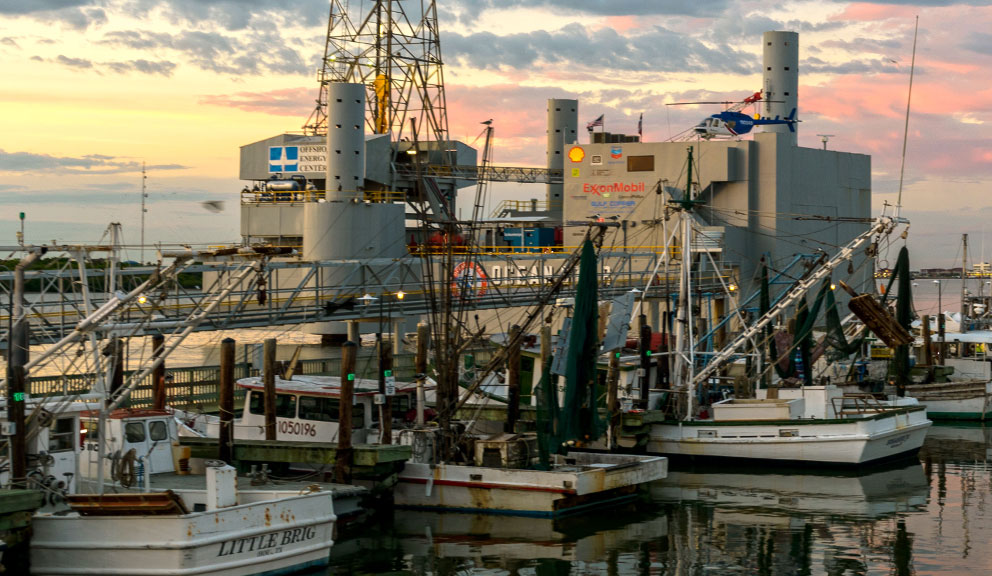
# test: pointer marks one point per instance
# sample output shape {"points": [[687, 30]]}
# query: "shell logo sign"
{"points": [[576, 154]]}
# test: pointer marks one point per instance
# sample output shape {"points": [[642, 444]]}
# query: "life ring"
{"points": [[122, 467], [469, 276]]}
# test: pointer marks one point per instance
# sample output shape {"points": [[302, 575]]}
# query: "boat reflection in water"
{"points": [[714, 521], [957, 530]]}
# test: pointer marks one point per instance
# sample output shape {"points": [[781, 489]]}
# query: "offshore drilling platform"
{"points": [[363, 192]]}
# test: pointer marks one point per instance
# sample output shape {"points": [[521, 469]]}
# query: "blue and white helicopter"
{"points": [[729, 124], [733, 123]]}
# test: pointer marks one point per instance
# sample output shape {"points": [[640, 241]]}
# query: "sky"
{"points": [[95, 89]]}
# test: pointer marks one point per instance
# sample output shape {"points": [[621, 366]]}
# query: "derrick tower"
{"points": [[394, 50]]}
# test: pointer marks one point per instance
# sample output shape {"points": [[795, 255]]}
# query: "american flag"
{"points": [[594, 123]]}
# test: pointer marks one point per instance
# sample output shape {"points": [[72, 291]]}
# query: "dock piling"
{"points": [[269, 382], [158, 376], [342, 463], [513, 381], [226, 401]]}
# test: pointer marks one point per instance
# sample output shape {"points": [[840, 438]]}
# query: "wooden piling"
{"points": [[269, 383], [117, 352], [545, 344], [513, 381], [942, 345], [342, 463], [226, 401], [158, 376], [927, 341], [386, 416]]}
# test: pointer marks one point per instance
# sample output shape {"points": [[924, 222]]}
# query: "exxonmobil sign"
{"points": [[613, 188]]}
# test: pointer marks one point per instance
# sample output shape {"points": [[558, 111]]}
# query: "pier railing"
{"points": [[196, 388]]}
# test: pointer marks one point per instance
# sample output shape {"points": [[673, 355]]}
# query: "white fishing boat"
{"points": [[308, 410], [812, 425], [965, 391], [217, 531], [528, 474], [790, 422], [212, 528], [575, 482]]}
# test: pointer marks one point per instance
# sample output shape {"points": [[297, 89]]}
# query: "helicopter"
{"points": [[732, 122]]}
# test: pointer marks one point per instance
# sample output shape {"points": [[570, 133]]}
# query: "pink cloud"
{"points": [[862, 11], [286, 102], [624, 23]]}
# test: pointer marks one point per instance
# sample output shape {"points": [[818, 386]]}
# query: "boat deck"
{"points": [[347, 498]]}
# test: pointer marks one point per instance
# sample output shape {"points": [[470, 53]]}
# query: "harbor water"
{"points": [[929, 516]]}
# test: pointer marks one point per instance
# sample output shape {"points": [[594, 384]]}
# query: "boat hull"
{"points": [[837, 442], [955, 400], [593, 480], [271, 537]]}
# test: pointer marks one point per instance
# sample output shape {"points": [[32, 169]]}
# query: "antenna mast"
{"points": [[396, 54], [905, 133], [144, 194]]}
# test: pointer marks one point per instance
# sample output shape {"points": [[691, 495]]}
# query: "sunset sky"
{"points": [[93, 88]]}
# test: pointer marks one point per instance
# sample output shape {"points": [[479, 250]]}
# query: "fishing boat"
{"points": [[308, 410], [217, 531], [961, 387], [523, 473], [700, 414], [210, 527]]}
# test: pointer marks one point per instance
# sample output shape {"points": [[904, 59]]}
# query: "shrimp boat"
{"points": [[815, 425], [521, 473], [209, 527], [308, 410], [217, 531], [962, 388]]}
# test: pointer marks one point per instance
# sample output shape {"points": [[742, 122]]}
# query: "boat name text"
{"points": [[266, 544]]}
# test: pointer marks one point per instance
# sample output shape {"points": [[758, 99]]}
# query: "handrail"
{"points": [[299, 196]]}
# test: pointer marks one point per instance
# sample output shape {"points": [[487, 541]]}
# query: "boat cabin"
{"points": [[308, 409], [149, 432], [53, 446]]}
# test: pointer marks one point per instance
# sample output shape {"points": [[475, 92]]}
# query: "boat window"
{"points": [[256, 403], [285, 404], [91, 429], [62, 435], [158, 430], [134, 432], [319, 408], [358, 416], [401, 405]]}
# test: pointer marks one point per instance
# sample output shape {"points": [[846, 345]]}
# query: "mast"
{"points": [[964, 283], [905, 133], [684, 359], [144, 194]]}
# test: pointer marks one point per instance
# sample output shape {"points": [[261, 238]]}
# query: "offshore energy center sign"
{"points": [[302, 158]]}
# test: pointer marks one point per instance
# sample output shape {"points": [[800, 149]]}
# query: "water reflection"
{"points": [[957, 531], [931, 516], [696, 521]]}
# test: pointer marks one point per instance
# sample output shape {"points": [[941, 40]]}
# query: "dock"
{"points": [[376, 462]]}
